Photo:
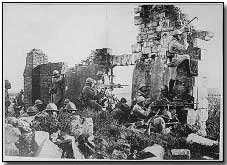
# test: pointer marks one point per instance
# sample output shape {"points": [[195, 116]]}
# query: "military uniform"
{"points": [[7, 100], [58, 88], [58, 85], [31, 111], [88, 95], [122, 111]]}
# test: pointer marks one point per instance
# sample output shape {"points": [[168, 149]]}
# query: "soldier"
{"points": [[70, 107], [31, 111], [48, 120], [58, 88], [7, 100], [144, 92], [35, 109], [177, 47], [139, 111], [164, 93], [52, 110], [66, 113], [88, 95], [122, 111], [20, 98]]}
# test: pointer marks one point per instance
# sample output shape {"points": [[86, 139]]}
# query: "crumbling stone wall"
{"points": [[75, 79], [156, 24], [34, 58], [38, 72]]}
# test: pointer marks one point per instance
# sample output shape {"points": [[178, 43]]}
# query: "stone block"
{"points": [[180, 154]]}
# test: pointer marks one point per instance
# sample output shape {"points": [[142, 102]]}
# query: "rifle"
{"points": [[50, 90], [181, 29]]}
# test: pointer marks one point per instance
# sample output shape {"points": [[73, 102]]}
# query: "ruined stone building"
{"points": [[150, 55], [38, 72]]}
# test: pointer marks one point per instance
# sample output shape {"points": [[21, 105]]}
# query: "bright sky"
{"points": [[69, 32]]}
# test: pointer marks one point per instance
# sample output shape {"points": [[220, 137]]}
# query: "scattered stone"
{"points": [[207, 158], [180, 154], [193, 138], [156, 150], [81, 126], [48, 150], [12, 135]]}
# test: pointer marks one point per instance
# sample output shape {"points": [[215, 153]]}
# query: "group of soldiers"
{"points": [[142, 108]]}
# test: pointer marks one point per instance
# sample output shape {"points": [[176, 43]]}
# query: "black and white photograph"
{"points": [[112, 81]]}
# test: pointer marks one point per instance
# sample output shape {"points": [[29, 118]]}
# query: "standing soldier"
{"points": [[19, 106], [58, 88], [177, 48], [20, 98], [7, 100]]}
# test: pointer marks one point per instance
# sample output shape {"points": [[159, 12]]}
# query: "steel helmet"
{"points": [[55, 73], [38, 102], [142, 85], [66, 101], [100, 73], [51, 107], [167, 114], [89, 80], [140, 99], [123, 100], [31, 109], [71, 106]]}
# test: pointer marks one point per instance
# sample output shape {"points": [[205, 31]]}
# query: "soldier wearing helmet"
{"points": [[52, 110], [58, 88], [7, 99], [143, 91], [89, 94], [122, 111], [35, 109], [139, 111], [69, 106], [177, 48]]}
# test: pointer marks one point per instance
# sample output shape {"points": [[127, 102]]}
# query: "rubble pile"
{"points": [[21, 141]]}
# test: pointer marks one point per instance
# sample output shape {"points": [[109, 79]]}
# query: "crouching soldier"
{"points": [[49, 122], [88, 95], [67, 112], [33, 110], [139, 111], [122, 111]]}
